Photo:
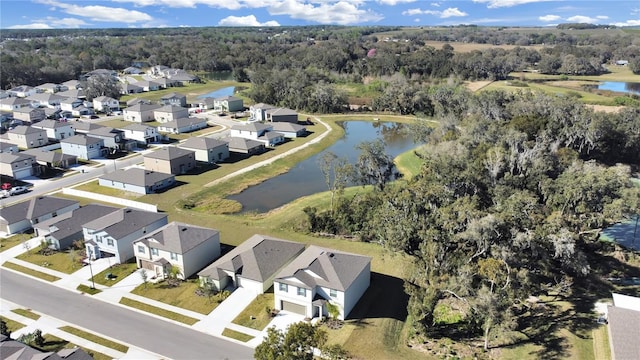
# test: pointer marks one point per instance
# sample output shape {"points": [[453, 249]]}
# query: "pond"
{"points": [[617, 86], [226, 91], [306, 178]]}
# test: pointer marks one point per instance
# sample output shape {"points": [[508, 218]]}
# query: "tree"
{"points": [[102, 85], [297, 343], [374, 166], [144, 276], [34, 338], [337, 172], [4, 329]]}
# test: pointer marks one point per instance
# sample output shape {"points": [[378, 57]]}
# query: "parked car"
{"points": [[6, 186], [18, 190], [4, 194]]}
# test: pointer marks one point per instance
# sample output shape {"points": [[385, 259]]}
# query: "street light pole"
{"points": [[93, 284]]}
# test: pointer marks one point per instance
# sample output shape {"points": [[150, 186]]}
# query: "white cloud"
{"points": [[327, 12], [435, 4], [582, 19], [506, 3], [395, 2], [100, 13], [224, 4], [31, 26], [447, 13], [602, 17], [547, 18], [53, 23], [249, 20], [627, 23]]}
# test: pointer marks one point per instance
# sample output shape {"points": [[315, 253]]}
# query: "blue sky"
{"points": [[39, 14]]}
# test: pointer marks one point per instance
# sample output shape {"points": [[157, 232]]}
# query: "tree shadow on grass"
{"points": [[385, 298]]}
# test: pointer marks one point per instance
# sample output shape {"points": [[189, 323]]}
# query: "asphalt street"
{"points": [[147, 332]]}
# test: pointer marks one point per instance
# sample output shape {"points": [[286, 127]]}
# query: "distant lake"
{"points": [[306, 178], [227, 91], [618, 86]]}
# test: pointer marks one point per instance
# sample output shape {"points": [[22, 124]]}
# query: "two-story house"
{"points": [[170, 160], [83, 147], [17, 165], [13, 103], [207, 150], [56, 130], [105, 104], [29, 115], [141, 133], [24, 215], [46, 99], [170, 113], [27, 137], [113, 234], [140, 112], [228, 104], [188, 247], [174, 99], [258, 112], [183, 125]]}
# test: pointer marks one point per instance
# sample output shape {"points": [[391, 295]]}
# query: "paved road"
{"points": [[146, 332]]}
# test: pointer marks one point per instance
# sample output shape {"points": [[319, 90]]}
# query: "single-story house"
{"points": [[100, 72], [289, 130], [141, 133], [140, 112], [228, 104], [46, 99], [257, 112], [245, 146], [180, 76], [52, 159], [137, 180], [50, 88], [282, 115], [251, 265], [113, 234], [126, 89], [321, 275], [72, 84], [170, 113], [29, 115], [106, 104], [207, 149], [188, 247], [60, 232], [24, 215], [174, 99], [166, 83], [73, 93], [132, 70], [170, 160], [83, 147], [13, 103], [147, 85], [271, 138], [56, 130], [81, 110], [250, 131], [27, 137], [16, 350], [18, 165], [22, 91], [183, 125]]}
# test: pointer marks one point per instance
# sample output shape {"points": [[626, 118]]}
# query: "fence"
{"points": [[111, 199]]}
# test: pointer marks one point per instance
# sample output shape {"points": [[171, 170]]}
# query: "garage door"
{"points": [[294, 308]]}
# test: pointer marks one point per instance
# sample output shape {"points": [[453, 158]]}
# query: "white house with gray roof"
{"points": [[56, 130], [24, 215], [282, 115], [321, 275], [46, 99], [105, 104], [17, 165], [207, 150], [624, 326], [258, 112], [289, 130], [250, 131], [228, 103], [83, 147], [251, 265], [27, 137], [183, 125], [113, 234], [141, 133], [140, 112], [188, 247], [13, 103], [137, 180], [170, 113]]}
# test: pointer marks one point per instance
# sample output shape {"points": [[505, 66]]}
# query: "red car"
{"points": [[6, 186]]}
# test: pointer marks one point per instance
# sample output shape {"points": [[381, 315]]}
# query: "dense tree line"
{"points": [[511, 191]]}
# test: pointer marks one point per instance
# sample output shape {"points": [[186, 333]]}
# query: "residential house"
{"points": [[4, 94], [56, 130], [16, 350], [105, 104], [52, 159], [167, 83], [22, 91], [250, 131], [6, 120], [83, 147], [29, 115], [24, 215], [289, 130], [245, 146], [143, 134], [207, 103], [27, 137], [207, 149], [68, 104], [112, 138], [50, 88], [319, 276], [170, 113], [187, 247], [183, 125], [8, 148], [100, 72], [46, 99], [228, 104], [61, 232], [258, 112], [623, 319], [13, 103], [272, 138], [140, 112], [73, 93], [136, 101], [72, 84], [83, 127], [81, 110], [113, 234], [17, 165], [147, 85], [127, 89], [251, 265], [180, 76], [157, 70], [170, 160], [137, 180], [282, 115], [174, 99], [132, 70]]}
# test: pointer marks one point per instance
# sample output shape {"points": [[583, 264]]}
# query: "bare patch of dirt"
{"points": [[477, 85], [606, 108]]}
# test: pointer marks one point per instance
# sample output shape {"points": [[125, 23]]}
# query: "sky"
{"points": [[52, 14]]}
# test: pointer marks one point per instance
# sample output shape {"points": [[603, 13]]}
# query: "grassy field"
{"points": [[236, 335], [63, 261], [88, 290], [408, 163], [117, 271], [11, 241], [254, 316], [95, 338], [26, 313], [31, 272], [12, 325], [182, 296], [94, 187], [158, 311], [192, 91]]}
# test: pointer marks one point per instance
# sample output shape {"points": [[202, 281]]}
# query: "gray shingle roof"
{"points": [[137, 176], [624, 327], [81, 140], [203, 143], [34, 208], [85, 126], [171, 109], [182, 122], [71, 222], [258, 258], [140, 107], [7, 158], [254, 127], [178, 237], [50, 124], [137, 127], [242, 143], [14, 101], [282, 111], [49, 156], [123, 222], [23, 130], [168, 153], [287, 127], [173, 95]]}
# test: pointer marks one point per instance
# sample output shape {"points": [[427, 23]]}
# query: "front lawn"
{"points": [[63, 261], [26, 313], [236, 335], [95, 187], [14, 240], [117, 271], [182, 296], [255, 315], [28, 271], [12, 325], [95, 338], [158, 311], [88, 290]]}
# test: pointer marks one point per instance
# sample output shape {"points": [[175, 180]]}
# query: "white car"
{"points": [[4, 194]]}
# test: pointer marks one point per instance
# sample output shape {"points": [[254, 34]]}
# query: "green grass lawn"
{"points": [[254, 315], [88, 290], [26, 313], [14, 240], [408, 163], [158, 311], [53, 343], [95, 187], [12, 325], [95, 338], [63, 261], [118, 272], [31, 272], [236, 335], [182, 296]]}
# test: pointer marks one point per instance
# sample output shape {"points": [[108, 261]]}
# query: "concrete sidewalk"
{"points": [[221, 317]]}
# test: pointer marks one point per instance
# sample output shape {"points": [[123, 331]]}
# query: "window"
{"points": [[333, 293], [110, 242], [284, 287], [302, 291], [154, 251], [141, 249], [99, 238], [174, 256]]}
